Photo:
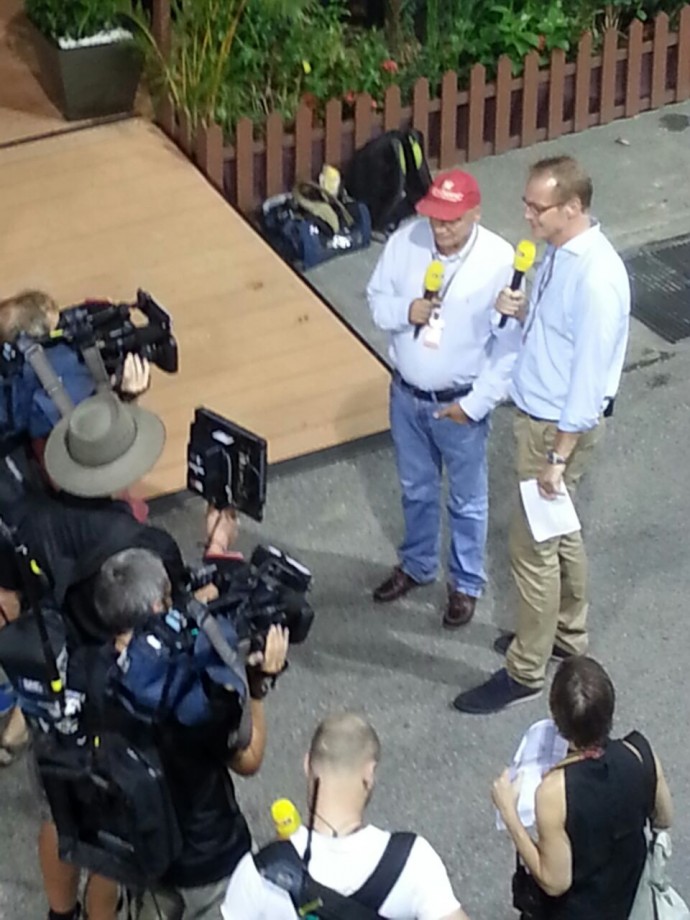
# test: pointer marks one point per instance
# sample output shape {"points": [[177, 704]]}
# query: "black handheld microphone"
{"points": [[525, 253]]}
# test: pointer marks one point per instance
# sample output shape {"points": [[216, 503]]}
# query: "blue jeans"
{"points": [[423, 445]]}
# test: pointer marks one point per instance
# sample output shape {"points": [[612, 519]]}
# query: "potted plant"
{"points": [[90, 63]]}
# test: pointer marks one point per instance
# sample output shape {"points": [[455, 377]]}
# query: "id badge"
{"points": [[434, 330]]}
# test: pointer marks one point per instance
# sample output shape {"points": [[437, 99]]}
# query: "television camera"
{"points": [[111, 328], [42, 378]]}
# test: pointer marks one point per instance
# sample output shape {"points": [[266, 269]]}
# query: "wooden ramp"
{"points": [[103, 211]]}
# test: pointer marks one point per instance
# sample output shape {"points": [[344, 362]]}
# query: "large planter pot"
{"points": [[89, 81]]}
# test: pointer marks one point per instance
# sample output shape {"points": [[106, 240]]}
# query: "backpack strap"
{"points": [[280, 863], [380, 883], [642, 746], [34, 354]]}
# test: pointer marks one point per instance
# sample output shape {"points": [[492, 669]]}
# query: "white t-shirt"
{"points": [[422, 892]]}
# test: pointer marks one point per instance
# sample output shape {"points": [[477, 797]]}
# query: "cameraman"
{"points": [[102, 448], [27, 412], [131, 586], [37, 315]]}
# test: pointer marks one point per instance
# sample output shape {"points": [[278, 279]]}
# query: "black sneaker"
{"points": [[501, 646], [499, 692], [74, 915]]}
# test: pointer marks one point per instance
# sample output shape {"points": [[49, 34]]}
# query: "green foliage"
{"points": [[76, 18], [598, 16], [204, 34], [235, 58]]}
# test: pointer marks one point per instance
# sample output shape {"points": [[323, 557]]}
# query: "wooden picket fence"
{"points": [[646, 69]]}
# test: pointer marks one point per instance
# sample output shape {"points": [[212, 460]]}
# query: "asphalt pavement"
{"points": [[340, 515]]}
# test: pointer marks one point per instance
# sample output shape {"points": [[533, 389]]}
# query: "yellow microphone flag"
{"points": [[433, 278], [285, 818], [525, 254]]}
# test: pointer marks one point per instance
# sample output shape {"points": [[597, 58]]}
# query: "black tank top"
{"points": [[607, 802]]}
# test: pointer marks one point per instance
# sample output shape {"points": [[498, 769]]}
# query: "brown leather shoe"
{"points": [[460, 609], [396, 585]]}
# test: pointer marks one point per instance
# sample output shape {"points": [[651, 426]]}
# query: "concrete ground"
{"points": [[340, 515]]}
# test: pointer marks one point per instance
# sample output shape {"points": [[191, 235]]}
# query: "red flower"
{"points": [[390, 66], [349, 97], [374, 104]]}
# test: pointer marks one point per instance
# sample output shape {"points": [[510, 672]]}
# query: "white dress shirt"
{"points": [[575, 334], [473, 349]]}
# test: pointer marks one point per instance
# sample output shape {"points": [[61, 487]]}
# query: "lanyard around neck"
{"points": [[545, 277], [462, 257]]}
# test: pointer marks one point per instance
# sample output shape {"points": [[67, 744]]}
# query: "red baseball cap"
{"points": [[450, 196]]}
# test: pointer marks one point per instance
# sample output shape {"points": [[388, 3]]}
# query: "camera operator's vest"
{"points": [[26, 410]]}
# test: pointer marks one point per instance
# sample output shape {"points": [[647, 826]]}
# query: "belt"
{"points": [[432, 395], [607, 412], [535, 418]]}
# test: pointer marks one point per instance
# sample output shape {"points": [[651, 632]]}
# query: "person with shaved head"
{"points": [[375, 873]]}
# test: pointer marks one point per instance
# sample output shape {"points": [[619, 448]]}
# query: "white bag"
{"points": [[655, 899]]}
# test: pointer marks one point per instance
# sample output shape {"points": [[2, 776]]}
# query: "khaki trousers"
{"points": [[551, 577], [201, 903]]}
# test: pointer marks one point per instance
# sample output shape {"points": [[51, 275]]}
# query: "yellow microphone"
{"points": [[525, 254], [285, 818], [433, 280]]}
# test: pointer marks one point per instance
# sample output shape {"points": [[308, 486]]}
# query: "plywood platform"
{"points": [[103, 211]]}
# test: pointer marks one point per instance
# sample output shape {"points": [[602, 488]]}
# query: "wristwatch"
{"points": [[555, 459]]}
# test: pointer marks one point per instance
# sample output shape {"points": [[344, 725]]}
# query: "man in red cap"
{"points": [[434, 291]]}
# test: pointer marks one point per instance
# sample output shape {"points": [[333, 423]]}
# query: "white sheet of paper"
{"points": [[548, 518], [540, 749]]}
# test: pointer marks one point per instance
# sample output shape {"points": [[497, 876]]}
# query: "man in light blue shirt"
{"points": [[575, 333], [452, 364]]}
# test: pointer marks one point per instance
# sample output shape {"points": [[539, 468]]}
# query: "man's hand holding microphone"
{"points": [[422, 307], [420, 311], [512, 301]]}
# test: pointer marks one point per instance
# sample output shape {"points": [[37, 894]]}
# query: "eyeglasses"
{"points": [[540, 209]]}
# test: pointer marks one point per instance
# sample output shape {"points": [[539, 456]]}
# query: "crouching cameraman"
{"points": [[131, 586]]}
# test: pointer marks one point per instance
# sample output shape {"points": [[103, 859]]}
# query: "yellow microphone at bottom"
{"points": [[285, 818]]}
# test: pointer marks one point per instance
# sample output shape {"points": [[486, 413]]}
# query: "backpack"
{"points": [[311, 226], [100, 768], [390, 175], [281, 864]]}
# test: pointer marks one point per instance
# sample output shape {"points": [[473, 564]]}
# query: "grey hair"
{"points": [[128, 586], [344, 741]]}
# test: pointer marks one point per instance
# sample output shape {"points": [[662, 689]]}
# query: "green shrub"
{"points": [[235, 58], [279, 61]]}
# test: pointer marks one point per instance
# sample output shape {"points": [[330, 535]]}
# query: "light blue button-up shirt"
{"points": [[576, 333], [473, 349]]}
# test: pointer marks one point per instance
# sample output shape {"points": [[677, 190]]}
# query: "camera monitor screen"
{"points": [[226, 464]]}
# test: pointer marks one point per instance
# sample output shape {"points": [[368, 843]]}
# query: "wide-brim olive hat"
{"points": [[103, 446]]}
